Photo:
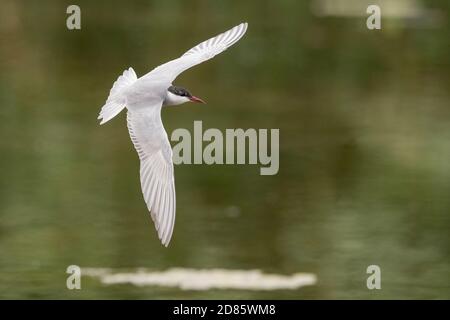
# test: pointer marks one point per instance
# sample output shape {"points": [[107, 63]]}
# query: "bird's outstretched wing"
{"points": [[157, 178], [198, 54]]}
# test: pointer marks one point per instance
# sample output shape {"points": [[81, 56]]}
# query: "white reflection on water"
{"points": [[203, 279]]}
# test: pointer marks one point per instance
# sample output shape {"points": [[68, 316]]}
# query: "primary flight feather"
{"points": [[144, 97]]}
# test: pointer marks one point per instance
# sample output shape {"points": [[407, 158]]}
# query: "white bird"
{"points": [[144, 97]]}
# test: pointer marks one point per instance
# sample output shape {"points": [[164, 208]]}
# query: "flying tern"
{"points": [[144, 98]]}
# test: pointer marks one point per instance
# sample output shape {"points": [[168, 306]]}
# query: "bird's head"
{"points": [[178, 95]]}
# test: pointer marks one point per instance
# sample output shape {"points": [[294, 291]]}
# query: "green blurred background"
{"points": [[364, 147]]}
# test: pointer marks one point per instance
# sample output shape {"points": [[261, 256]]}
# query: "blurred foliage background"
{"points": [[364, 147]]}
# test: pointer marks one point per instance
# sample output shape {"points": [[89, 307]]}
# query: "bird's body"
{"points": [[144, 97]]}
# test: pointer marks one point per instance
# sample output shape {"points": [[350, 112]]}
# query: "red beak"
{"points": [[197, 100]]}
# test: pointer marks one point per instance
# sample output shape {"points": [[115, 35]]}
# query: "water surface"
{"points": [[364, 151]]}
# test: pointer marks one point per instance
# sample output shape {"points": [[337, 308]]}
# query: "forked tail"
{"points": [[116, 100]]}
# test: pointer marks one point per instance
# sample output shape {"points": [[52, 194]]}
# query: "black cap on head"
{"points": [[179, 91]]}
